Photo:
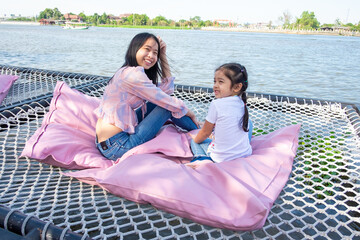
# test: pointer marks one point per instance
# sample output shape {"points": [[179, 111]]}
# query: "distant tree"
{"points": [[47, 13], [94, 19], [353, 27], [338, 23], [357, 27], [208, 23], [140, 20], [126, 21], [182, 23], [130, 20], [103, 19], [172, 23], [196, 21], [137, 19], [286, 19], [57, 14], [160, 21], [83, 16], [188, 23], [307, 21]]}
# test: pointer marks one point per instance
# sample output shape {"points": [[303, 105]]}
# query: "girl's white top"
{"points": [[231, 141]]}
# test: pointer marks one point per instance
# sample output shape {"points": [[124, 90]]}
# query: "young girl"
{"points": [[227, 116], [134, 107]]}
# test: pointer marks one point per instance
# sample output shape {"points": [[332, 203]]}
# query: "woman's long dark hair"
{"points": [[237, 74], [130, 57]]}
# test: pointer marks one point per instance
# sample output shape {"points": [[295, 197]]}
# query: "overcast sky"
{"points": [[241, 11]]}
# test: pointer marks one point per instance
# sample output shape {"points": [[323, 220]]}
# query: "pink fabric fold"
{"points": [[66, 137], [236, 195], [6, 81]]}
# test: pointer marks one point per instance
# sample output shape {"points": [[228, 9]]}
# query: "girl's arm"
{"points": [[204, 132]]}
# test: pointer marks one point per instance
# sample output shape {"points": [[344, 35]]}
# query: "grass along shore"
{"points": [[285, 31]]}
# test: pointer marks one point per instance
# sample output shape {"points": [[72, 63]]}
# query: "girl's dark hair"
{"points": [[237, 74], [130, 57]]}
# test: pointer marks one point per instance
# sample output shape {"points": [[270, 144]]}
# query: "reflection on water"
{"points": [[323, 67]]}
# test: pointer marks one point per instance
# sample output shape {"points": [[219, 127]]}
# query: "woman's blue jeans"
{"points": [[200, 149], [147, 128]]}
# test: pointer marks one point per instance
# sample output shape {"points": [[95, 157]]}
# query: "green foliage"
{"points": [[286, 19], [208, 23], [160, 21], [57, 14], [352, 26], [136, 20], [338, 23], [327, 25], [94, 19], [307, 21], [23, 19], [143, 19], [197, 22], [83, 16], [49, 13], [103, 19]]}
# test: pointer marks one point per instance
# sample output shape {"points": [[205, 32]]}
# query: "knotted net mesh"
{"points": [[319, 201]]}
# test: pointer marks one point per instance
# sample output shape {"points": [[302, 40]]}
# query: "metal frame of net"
{"points": [[319, 201]]}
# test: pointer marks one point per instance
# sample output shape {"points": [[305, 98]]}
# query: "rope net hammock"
{"points": [[319, 201]]}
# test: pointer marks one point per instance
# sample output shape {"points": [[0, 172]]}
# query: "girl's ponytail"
{"points": [[246, 115]]}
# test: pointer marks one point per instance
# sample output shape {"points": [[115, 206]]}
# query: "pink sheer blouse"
{"points": [[128, 90]]}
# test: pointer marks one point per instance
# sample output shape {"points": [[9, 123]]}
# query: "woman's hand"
{"points": [[162, 48], [163, 59], [191, 115]]}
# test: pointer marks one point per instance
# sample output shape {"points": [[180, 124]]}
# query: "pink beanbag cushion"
{"points": [[236, 195], [66, 137], [6, 81]]}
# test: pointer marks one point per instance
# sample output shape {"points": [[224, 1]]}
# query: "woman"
{"points": [[121, 124]]}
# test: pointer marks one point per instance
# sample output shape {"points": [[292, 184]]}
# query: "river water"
{"points": [[310, 66]]}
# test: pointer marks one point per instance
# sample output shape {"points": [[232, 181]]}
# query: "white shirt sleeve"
{"points": [[212, 113]]}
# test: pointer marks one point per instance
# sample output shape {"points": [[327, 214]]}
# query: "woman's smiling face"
{"points": [[147, 55]]}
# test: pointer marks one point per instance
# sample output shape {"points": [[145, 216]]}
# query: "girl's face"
{"points": [[222, 86], [146, 56]]}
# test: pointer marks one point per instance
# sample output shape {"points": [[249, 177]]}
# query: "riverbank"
{"points": [[226, 29], [285, 31], [255, 30], [20, 23]]}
